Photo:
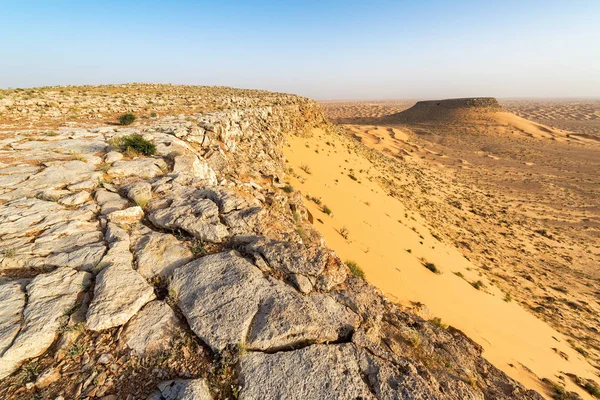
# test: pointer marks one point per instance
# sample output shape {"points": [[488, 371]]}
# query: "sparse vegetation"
{"points": [[592, 389], [431, 266], [197, 247], [302, 233], [326, 210], [437, 321], [287, 189], [127, 119], [305, 168], [134, 143], [344, 232], [355, 269], [478, 285], [559, 392]]}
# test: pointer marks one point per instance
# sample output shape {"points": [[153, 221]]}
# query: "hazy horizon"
{"points": [[325, 50]]}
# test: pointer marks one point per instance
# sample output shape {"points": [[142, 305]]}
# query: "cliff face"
{"points": [[192, 273]]}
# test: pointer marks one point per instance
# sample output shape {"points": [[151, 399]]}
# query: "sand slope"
{"points": [[392, 245]]}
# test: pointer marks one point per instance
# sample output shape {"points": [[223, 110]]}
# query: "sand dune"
{"points": [[380, 240], [393, 244]]}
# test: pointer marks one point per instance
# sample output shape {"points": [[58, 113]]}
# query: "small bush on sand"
{"points": [[355, 269], [326, 210], [135, 143], [344, 232], [126, 119], [478, 285], [592, 389], [432, 267], [305, 168]]}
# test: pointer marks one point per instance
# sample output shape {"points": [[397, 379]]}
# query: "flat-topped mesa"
{"points": [[447, 111], [467, 102]]}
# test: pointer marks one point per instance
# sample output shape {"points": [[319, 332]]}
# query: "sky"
{"points": [[400, 49]]}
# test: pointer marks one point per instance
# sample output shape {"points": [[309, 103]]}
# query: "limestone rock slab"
{"points": [[119, 294], [159, 254], [314, 372], [50, 296], [151, 330], [12, 299], [219, 295]]}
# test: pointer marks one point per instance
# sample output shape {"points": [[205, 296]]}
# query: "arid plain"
{"points": [[506, 208]]}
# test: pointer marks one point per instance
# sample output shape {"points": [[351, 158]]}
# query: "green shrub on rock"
{"points": [[126, 119], [134, 143]]}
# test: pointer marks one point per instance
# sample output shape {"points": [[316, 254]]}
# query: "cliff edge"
{"points": [[167, 260]]}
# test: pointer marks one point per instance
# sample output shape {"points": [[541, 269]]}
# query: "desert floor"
{"points": [[510, 222]]}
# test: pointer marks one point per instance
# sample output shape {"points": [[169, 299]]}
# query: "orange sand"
{"points": [[380, 236]]}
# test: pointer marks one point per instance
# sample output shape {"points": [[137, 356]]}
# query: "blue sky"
{"points": [[321, 49]]}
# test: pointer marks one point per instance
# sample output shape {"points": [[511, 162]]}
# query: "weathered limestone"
{"points": [[140, 193], [219, 295], [198, 168], [50, 296], [85, 258], [56, 175], [146, 168], [227, 300], [109, 201], [120, 291], [314, 372], [181, 389], [75, 199], [320, 266], [151, 330], [119, 294], [12, 299], [127, 216], [159, 253], [200, 218], [113, 156]]}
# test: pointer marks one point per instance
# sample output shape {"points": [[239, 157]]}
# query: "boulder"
{"points": [[140, 193], [200, 218], [127, 216], [227, 301], [219, 295]]}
